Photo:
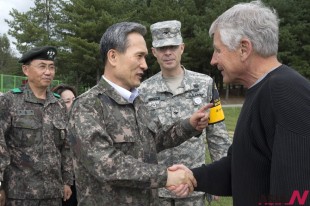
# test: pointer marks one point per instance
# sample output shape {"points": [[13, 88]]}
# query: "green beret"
{"points": [[44, 53]]}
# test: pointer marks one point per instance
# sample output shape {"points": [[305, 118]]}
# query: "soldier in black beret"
{"points": [[36, 164], [39, 60], [43, 53]]}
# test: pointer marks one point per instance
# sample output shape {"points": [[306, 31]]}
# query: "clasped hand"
{"points": [[180, 180]]}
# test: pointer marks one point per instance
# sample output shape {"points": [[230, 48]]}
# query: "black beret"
{"points": [[44, 53]]}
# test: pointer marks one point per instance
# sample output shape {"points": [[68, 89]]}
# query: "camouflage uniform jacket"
{"points": [[195, 91], [115, 146], [35, 157]]}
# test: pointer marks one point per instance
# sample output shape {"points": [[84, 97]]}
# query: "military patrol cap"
{"points": [[166, 33], [44, 53]]}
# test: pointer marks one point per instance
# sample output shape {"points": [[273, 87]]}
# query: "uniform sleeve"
{"points": [[218, 140], [66, 160], [94, 150], [174, 135], [5, 122]]}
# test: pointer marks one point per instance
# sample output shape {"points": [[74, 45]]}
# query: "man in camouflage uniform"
{"points": [[114, 139], [174, 93], [35, 158]]}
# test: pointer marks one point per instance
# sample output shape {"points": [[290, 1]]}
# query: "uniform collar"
{"points": [[103, 87], [186, 83], [128, 95], [30, 97]]}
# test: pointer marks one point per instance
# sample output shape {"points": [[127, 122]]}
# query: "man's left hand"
{"points": [[67, 192]]}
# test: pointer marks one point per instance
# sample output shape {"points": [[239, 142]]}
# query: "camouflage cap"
{"points": [[166, 33], [44, 53]]}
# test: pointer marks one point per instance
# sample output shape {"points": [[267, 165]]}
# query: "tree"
{"points": [[8, 63], [83, 23], [35, 27], [294, 42], [75, 27]]}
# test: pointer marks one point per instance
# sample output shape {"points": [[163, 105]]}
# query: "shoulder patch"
{"points": [[16, 90], [56, 95]]}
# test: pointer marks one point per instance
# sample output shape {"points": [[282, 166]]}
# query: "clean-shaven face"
{"points": [[228, 62], [131, 65], [169, 57], [40, 73], [68, 97]]}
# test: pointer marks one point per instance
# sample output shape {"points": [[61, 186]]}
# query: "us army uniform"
{"points": [[194, 92], [115, 146], [35, 155]]}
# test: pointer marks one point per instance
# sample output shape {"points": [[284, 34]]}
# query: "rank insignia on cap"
{"points": [[51, 54], [166, 33], [43, 53]]}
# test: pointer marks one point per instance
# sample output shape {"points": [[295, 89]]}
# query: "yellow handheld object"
{"points": [[216, 112]]}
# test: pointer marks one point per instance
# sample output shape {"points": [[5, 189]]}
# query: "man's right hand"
{"points": [[180, 177]]}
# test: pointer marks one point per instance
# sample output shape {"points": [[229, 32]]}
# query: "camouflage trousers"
{"points": [[42, 202], [189, 201]]}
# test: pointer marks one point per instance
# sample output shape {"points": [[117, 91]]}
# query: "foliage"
{"points": [[8, 63], [35, 27], [294, 45], [76, 26]]}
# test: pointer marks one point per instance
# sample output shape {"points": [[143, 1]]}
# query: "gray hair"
{"points": [[253, 21], [115, 37]]}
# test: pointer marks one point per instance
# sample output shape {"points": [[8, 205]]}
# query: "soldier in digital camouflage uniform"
{"points": [[175, 93], [35, 158], [114, 139]]}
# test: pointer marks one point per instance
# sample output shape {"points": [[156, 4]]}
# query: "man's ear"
{"points": [[154, 52], [112, 56], [182, 47], [25, 69], [245, 49]]}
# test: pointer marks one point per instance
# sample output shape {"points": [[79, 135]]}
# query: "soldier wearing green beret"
{"points": [[35, 158]]}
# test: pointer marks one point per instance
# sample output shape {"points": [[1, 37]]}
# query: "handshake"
{"points": [[180, 180]]}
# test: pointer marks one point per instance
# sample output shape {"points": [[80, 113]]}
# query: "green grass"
{"points": [[231, 117]]}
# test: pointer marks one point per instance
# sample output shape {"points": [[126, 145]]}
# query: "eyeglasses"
{"points": [[43, 67]]}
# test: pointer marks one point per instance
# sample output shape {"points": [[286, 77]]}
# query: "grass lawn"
{"points": [[231, 116]]}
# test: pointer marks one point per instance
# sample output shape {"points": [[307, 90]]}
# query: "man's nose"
{"points": [[143, 64]]}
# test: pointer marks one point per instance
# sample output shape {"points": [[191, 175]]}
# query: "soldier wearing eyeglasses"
{"points": [[35, 159]]}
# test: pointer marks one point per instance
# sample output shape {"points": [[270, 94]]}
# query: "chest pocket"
{"points": [[27, 130], [60, 132], [123, 138]]}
